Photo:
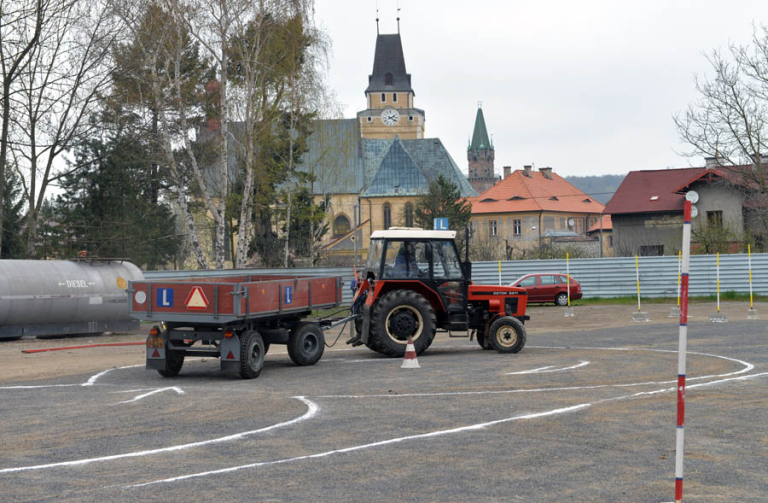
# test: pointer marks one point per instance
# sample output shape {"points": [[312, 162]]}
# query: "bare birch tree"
{"points": [[21, 23], [58, 96]]}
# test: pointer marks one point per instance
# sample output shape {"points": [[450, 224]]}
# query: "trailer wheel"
{"points": [[507, 335], [306, 344], [397, 315], [174, 360], [251, 355]]}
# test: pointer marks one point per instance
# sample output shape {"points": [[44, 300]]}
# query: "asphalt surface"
{"points": [[577, 416]]}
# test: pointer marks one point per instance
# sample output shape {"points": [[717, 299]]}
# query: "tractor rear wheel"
{"points": [[507, 335], [396, 316]]}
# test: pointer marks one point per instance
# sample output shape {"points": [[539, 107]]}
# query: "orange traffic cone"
{"points": [[410, 361]]}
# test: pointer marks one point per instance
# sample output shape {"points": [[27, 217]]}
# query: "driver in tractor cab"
{"points": [[405, 262]]}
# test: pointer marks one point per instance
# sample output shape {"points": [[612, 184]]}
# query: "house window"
{"points": [[610, 241], [394, 97], [370, 119], [383, 98], [410, 118], [715, 218], [471, 226], [408, 215], [341, 225], [388, 79], [387, 216], [493, 227], [652, 251], [517, 226]]}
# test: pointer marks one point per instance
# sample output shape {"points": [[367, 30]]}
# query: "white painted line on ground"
{"points": [[41, 386], [312, 409], [178, 391], [94, 378], [543, 370], [433, 434]]}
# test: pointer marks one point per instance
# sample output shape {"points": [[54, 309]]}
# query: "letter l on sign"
{"points": [[441, 224]]}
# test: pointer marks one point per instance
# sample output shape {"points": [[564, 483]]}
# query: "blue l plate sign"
{"points": [[441, 224], [165, 297]]}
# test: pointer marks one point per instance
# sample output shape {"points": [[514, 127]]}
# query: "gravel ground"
{"points": [[586, 412]]}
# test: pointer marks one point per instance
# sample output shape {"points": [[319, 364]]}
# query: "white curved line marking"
{"points": [[178, 391], [747, 367], [543, 370], [433, 434], [312, 409], [94, 378]]}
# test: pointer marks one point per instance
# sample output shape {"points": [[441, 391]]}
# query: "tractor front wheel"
{"points": [[396, 316], [507, 335]]}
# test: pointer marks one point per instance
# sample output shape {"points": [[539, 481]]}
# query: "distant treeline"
{"points": [[599, 187]]}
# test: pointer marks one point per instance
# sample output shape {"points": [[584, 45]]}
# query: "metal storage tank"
{"points": [[58, 297]]}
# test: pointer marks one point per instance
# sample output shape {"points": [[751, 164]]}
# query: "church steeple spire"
{"points": [[480, 138]]}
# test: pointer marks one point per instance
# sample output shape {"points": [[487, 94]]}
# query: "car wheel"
{"points": [[561, 299]]}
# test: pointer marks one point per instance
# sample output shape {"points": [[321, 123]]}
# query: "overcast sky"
{"points": [[586, 87]]}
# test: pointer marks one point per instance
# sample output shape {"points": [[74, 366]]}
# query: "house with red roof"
{"points": [[647, 209], [529, 208]]}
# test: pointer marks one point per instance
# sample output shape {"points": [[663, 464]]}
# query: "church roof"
{"points": [[389, 59], [480, 134], [397, 174], [345, 163]]}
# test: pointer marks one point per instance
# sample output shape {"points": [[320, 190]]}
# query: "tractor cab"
{"points": [[415, 282]]}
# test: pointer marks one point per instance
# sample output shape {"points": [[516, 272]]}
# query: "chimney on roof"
{"points": [[527, 170], [712, 162], [547, 172], [507, 171]]}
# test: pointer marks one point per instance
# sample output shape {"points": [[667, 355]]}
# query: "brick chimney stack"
{"points": [[527, 170], [547, 172], [507, 171]]}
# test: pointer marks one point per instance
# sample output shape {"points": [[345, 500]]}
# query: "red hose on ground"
{"points": [[83, 347]]}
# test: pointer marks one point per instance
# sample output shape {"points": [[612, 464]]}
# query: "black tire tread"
{"points": [[295, 342], [377, 339], [246, 372], [519, 328]]}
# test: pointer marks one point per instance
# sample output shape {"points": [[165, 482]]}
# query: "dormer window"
{"points": [[388, 79], [553, 198]]}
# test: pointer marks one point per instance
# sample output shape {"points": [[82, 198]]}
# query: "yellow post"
{"points": [[749, 255], [568, 277], [637, 271], [679, 258], [718, 282]]}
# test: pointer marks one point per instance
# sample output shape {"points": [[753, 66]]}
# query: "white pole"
{"points": [[681, 353]]}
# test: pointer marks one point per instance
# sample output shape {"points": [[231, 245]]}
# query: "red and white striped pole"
{"points": [[681, 350]]}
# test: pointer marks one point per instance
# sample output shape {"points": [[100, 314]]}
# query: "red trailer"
{"points": [[234, 318]]}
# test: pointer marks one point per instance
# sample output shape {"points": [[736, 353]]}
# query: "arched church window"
{"points": [[394, 97], [387, 216], [383, 97], [340, 225], [388, 79], [408, 215]]}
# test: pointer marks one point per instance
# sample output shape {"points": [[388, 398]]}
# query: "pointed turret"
{"points": [[389, 66], [480, 155]]}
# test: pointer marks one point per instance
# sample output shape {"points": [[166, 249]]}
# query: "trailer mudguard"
{"points": [[155, 352], [230, 353]]}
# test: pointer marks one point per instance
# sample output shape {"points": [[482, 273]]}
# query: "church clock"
{"points": [[390, 117]]}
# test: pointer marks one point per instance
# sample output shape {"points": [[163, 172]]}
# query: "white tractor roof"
{"points": [[412, 233]]}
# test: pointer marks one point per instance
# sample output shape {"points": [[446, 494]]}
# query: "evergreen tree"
{"points": [[443, 200], [13, 203], [108, 209]]}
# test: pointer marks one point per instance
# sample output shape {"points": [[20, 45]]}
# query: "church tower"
{"points": [[481, 155], [390, 96]]}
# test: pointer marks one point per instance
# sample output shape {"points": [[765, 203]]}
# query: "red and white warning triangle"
{"points": [[196, 299]]}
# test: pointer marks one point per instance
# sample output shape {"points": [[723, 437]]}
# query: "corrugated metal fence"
{"points": [[599, 277]]}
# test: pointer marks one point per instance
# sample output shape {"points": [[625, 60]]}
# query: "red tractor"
{"points": [[414, 283]]}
